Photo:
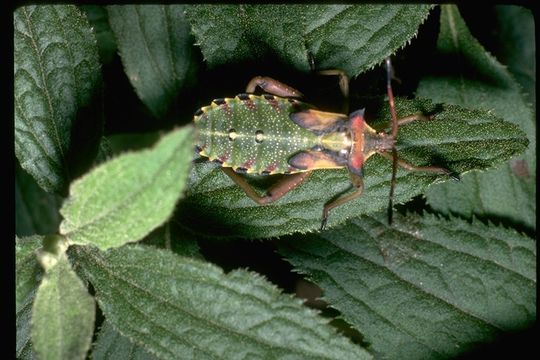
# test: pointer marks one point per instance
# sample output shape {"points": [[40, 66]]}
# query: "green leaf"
{"points": [[235, 33], [174, 237], [23, 323], [112, 345], [468, 76], [125, 198], [517, 46], [155, 47], [458, 139], [63, 315], [28, 274], [56, 73], [353, 38], [98, 18], [174, 305], [425, 287], [36, 211], [28, 271]]}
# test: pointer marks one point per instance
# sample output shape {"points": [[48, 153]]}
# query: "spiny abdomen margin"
{"points": [[252, 134]]}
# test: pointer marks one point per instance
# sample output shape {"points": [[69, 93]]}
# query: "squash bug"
{"points": [[275, 133]]}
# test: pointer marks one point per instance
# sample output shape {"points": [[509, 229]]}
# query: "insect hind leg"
{"points": [[272, 86], [275, 192]]}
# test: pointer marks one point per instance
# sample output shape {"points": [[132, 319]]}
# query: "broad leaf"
{"points": [[125, 198], [28, 274], [458, 139], [155, 47], [36, 211], [353, 38], [177, 306], [468, 76], [63, 315], [112, 345], [56, 73], [426, 287]]}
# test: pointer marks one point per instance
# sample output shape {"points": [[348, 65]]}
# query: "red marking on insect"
{"points": [[248, 164], [246, 100], [356, 124], [224, 157], [273, 102], [270, 168], [227, 109]]}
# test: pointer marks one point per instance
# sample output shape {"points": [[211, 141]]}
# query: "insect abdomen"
{"points": [[252, 133]]}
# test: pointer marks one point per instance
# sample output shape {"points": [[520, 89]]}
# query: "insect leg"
{"points": [[411, 167], [275, 192], [395, 126], [272, 86], [358, 182], [411, 118], [343, 80]]}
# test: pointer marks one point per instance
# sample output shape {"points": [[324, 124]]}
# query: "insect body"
{"points": [[278, 134]]}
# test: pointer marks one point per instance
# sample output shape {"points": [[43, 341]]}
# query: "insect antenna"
{"points": [[393, 135]]}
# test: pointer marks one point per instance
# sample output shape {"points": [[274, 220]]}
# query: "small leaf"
{"points": [[425, 287], [124, 199], [112, 345], [353, 38], [97, 17], [28, 271], [155, 47], [516, 45], [28, 274], [36, 211], [56, 73], [469, 76], [458, 139], [63, 315], [176, 306], [23, 324]]}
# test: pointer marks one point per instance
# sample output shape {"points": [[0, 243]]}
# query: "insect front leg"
{"points": [[358, 183], [275, 192], [343, 80], [343, 85], [272, 86]]}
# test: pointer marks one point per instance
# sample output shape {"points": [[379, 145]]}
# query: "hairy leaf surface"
{"points": [[176, 305], [353, 38], [111, 345], [124, 199], [425, 287], [56, 73], [468, 76], [28, 274], [63, 315]]}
